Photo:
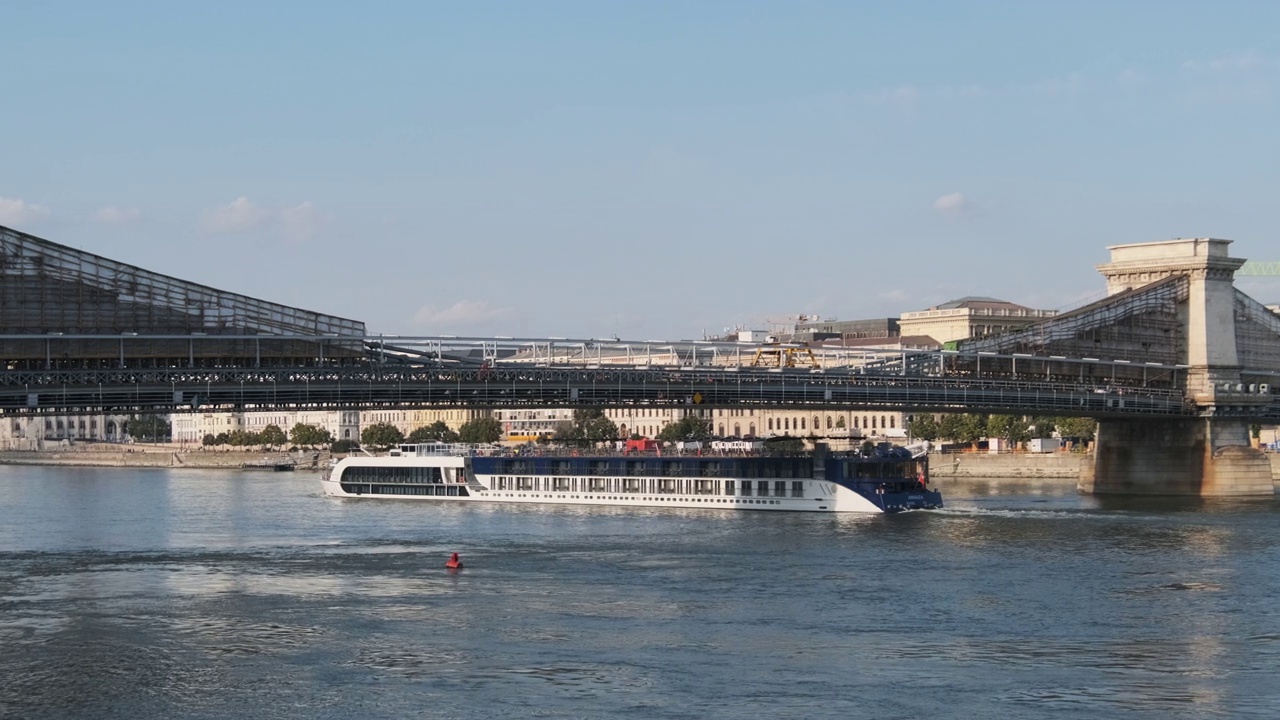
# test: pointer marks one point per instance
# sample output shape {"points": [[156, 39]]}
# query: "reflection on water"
{"points": [[200, 594]]}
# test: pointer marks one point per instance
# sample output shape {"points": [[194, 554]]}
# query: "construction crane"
{"points": [[1259, 269], [775, 355]]}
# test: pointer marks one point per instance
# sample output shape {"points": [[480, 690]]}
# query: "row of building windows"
{"points": [[869, 422], [652, 486], [394, 474], [648, 467], [441, 490], [70, 425]]}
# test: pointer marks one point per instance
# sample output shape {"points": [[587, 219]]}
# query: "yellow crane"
{"points": [[775, 355]]}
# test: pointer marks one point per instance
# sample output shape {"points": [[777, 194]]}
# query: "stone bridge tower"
{"points": [[1209, 455]]}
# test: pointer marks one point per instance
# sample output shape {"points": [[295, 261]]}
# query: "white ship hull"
{"points": [[424, 472], [819, 497]]}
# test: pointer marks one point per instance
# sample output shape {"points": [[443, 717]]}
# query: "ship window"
{"points": [[780, 488], [797, 488], [728, 487], [762, 488], [746, 489]]}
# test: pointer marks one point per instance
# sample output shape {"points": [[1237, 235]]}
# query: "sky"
{"points": [[639, 169]]}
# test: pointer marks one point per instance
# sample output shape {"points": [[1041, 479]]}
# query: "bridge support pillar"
{"points": [[1206, 457]]}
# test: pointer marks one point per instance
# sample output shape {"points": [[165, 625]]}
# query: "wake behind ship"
{"points": [[883, 479]]}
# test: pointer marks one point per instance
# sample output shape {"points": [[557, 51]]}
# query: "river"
{"points": [[206, 594]]}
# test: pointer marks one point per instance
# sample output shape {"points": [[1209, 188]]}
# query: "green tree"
{"points": [[588, 425], [924, 427], [963, 427], [309, 435], [273, 436], [564, 431], [437, 431], [480, 430], [149, 427], [840, 422], [1012, 428], [1043, 427], [689, 428], [343, 446], [381, 435], [784, 444], [1079, 428], [243, 438], [222, 439], [209, 439]]}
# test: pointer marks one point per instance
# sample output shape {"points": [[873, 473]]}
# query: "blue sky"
{"points": [[639, 169]]}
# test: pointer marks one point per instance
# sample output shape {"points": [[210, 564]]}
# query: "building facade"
{"points": [[970, 317], [40, 432]]}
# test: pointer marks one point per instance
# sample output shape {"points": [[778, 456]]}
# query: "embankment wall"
{"points": [[1050, 466], [156, 459]]}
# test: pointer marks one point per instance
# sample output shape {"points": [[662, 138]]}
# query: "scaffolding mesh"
{"points": [[47, 288], [1140, 325], [1257, 335]]}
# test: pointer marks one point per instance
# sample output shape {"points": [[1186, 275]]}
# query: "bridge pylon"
{"points": [[1210, 455]]}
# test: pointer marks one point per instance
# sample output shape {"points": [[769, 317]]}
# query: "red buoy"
{"points": [[454, 563]]}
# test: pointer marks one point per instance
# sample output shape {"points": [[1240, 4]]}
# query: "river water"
{"points": [[205, 594]]}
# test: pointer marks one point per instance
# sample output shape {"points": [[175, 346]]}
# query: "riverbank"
{"points": [[154, 457], [1048, 467], [1062, 468]]}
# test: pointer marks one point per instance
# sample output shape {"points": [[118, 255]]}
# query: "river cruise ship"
{"points": [[879, 480]]}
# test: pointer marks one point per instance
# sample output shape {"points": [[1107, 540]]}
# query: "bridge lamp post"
{"points": [[1086, 360], [1113, 369], [979, 363], [1048, 365], [1015, 362]]}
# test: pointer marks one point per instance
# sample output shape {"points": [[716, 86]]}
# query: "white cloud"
{"points": [[14, 211], [1130, 77], [302, 221], [963, 91], [463, 312], [903, 95], [237, 216], [112, 215], [951, 204], [1066, 85], [1238, 61]]}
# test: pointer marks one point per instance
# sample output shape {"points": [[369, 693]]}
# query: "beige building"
{"points": [[832, 425], [526, 424], [647, 421], [406, 421], [969, 317], [190, 428], [40, 432]]}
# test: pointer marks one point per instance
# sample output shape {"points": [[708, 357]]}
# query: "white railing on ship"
{"points": [[425, 449]]}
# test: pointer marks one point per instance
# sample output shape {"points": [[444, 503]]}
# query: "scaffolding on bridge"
{"points": [[47, 289]]}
